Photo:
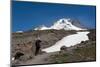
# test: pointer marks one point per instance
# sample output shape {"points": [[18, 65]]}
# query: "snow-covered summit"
{"points": [[61, 24]]}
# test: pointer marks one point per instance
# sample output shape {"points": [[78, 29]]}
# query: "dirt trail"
{"points": [[44, 58], [41, 59]]}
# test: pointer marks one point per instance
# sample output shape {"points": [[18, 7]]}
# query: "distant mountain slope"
{"points": [[66, 24]]}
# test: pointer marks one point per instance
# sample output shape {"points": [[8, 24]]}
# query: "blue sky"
{"points": [[27, 15]]}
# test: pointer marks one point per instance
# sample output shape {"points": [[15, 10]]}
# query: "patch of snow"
{"points": [[13, 59], [19, 31], [68, 41], [42, 27]]}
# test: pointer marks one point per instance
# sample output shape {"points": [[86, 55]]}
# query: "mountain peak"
{"points": [[63, 23], [64, 20]]}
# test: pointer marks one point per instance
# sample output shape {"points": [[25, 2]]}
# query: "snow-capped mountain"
{"points": [[19, 31], [66, 24]]}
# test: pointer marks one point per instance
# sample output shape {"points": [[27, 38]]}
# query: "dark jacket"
{"points": [[37, 43]]}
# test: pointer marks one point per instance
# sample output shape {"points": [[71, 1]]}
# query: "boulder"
{"points": [[63, 48]]}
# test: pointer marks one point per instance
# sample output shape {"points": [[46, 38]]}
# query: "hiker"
{"points": [[37, 44]]}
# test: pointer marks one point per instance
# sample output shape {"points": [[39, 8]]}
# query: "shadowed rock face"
{"points": [[92, 35], [77, 23], [18, 55]]}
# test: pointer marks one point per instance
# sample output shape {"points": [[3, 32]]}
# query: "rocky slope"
{"points": [[24, 42]]}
